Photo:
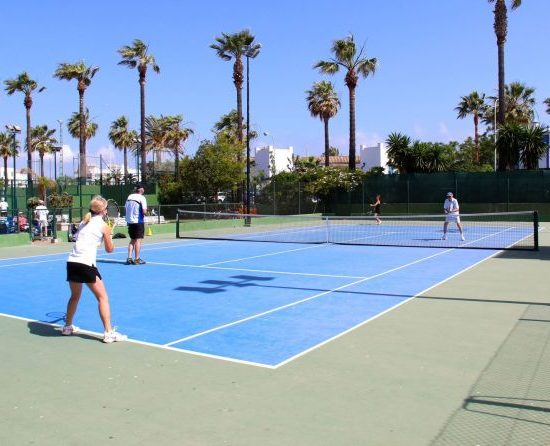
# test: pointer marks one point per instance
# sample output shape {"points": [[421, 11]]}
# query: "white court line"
{"points": [[251, 270], [326, 341], [266, 255], [148, 344], [273, 310]]}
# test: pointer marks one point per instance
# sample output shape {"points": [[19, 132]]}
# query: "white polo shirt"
{"points": [[136, 207]]}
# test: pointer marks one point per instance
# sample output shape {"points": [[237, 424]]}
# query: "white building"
{"points": [[376, 156], [270, 160], [94, 172], [20, 177]]}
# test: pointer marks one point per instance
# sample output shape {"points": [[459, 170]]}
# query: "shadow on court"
{"points": [[49, 331], [510, 402]]}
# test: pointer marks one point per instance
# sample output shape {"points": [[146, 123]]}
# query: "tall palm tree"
{"points": [[6, 151], [24, 84], [42, 141], [74, 126], [236, 46], [346, 56], [323, 102], [83, 74], [501, 30], [122, 138], [177, 135], [474, 105], [137, 56]]}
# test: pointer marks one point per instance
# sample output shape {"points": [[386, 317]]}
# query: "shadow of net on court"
{"points": [[510, 402]]}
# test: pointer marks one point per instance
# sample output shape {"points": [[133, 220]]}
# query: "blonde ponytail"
{"points": [[97, 205]]}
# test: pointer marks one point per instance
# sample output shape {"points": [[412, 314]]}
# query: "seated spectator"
{"points": [[22, 222]]}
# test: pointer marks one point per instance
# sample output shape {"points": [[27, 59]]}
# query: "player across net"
{"points": [[505, 230]]}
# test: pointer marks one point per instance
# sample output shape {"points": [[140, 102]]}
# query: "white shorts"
{"points": [[450, 218]]}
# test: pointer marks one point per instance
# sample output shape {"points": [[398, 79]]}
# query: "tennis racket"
{"points": [[113, 212]]}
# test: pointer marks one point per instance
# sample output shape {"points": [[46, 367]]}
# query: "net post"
{"points": [[177, 223], [536, 229]]}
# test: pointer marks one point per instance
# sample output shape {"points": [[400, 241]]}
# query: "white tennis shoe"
{"points": [[444, 237], [113, 336], [68, 330], [462, 238]]}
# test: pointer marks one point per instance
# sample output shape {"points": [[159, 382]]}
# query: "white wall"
{"points": [[376, 156], [281, 159]]}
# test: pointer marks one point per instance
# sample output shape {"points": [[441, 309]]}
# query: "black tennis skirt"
{"points": [[80, 273]]}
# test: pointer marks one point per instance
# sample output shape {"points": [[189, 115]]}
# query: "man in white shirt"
{"points": [[41, 213], [136, 208], [451, 208], [3, 207]]}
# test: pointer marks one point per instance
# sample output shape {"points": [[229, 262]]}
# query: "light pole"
{"points": [[495, 130], [60, 121], [14, 130]]}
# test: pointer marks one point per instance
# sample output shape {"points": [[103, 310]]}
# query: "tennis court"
{"points": [[297, 310]]}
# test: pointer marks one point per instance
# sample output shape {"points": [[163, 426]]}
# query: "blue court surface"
{"points": [[259, 303]]}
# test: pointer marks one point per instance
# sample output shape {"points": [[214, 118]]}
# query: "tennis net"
{"points": [[508, 230]]}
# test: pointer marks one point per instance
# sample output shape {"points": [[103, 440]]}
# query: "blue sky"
{"points": [[430, 53]]}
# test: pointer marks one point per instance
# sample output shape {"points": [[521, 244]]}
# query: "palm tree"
{"points": [[509, 142], [520, 103], [473, 104], [547, 103], [501, 29], [176, 136], [323, 102], [25, 85], [74, 126], [236, 46], [42, 141], [156, 134], [399, 152], [83, 75], [347, 57], [6, 151], [534, 146], [136, 56], [122, 138]]}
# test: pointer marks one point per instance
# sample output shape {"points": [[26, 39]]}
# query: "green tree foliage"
{"points": [[421, 157], [520, 143], [213, 168]]}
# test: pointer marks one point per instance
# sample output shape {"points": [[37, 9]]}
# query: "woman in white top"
{"points": [[81, 268]]}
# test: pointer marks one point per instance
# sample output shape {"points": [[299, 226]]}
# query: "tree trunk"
{"points": [[29, 151], [82, 138], [351, 128], [476, 136], [41, 155], [142, 111], [327, 145], [238, 81], [125, 164], [500, 25], [176, 164], [6, 176]]}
